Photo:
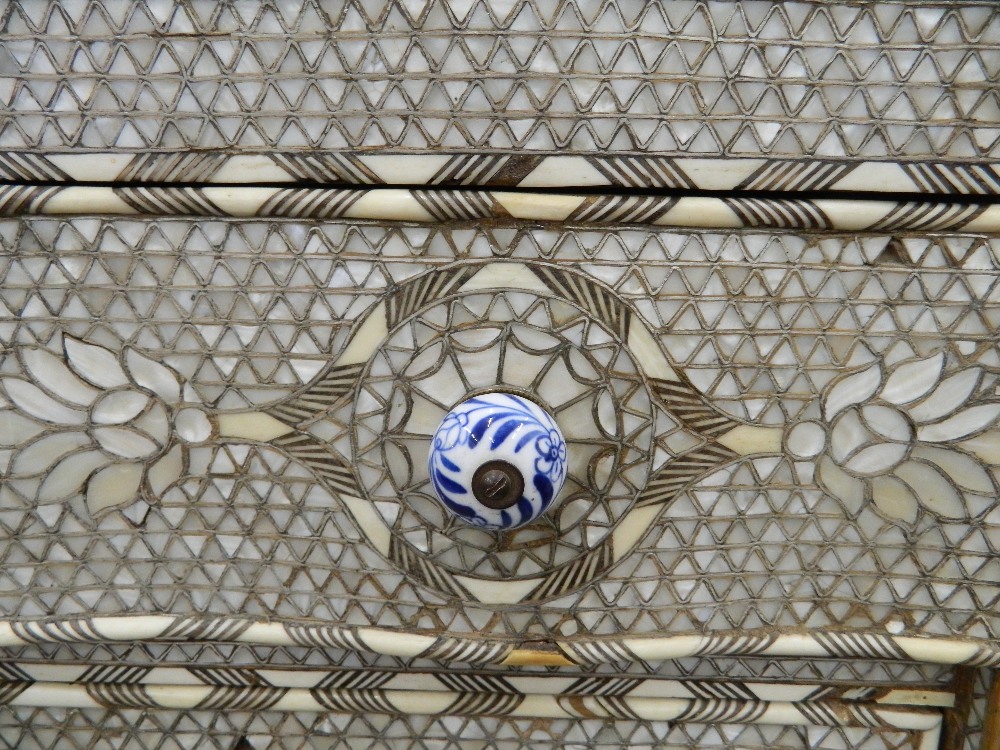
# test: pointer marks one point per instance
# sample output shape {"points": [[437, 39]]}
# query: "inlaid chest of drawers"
{"points": [[744, 254]]}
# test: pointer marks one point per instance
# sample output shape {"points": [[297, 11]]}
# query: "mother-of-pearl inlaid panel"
{"points": [[790, 96], [745, 254], [803, 426]]}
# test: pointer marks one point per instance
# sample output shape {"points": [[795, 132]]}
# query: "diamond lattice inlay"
{"points": [[758, 379], [166, 91]]}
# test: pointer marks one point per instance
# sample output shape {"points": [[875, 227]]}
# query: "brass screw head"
{"points": [[497, 485]]}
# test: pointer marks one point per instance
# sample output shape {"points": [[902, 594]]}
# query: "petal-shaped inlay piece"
{"points": [[118, 407], [95, 364], [852, 390], [894, 499], [166, 471], [912, 380], [963, 424], [985, 446], [68, 476], [840, 484], [932, 489], [888, 422], [155, 423], [952, 392], [16, 429], [154, 376], [877, 458], [964, 470], [36, 457], [124, 442], [35, 402], [113, 485], [51, 372], [848, 435]]}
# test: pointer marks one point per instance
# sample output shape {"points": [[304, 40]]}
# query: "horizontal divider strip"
{"points": [[841, 644], [465, 206], [530, 706], [622, 172]]}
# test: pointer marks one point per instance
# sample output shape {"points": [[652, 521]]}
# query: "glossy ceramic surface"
{"points": [[473, 444]]}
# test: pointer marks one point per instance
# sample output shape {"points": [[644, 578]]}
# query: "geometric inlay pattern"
{"points": [[785, 96], [484, 341], [781, 520], [270, 730], [757, 334]]}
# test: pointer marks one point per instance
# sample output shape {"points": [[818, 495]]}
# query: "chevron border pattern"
{"points": [[484, 651], [463, 206], [503, 170]]}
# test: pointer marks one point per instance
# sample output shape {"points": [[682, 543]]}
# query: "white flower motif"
{"points": [[113, 426], [908, 438]]}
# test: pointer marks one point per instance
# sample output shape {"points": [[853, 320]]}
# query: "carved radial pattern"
{"points": [[521, 343]]}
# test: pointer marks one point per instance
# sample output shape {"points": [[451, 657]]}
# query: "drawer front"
{"points": [[791, 96], [722, 392], [219, 695], [283, 730]]}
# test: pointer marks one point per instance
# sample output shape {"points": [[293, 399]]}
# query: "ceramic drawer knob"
{"points": [[497, 461]]}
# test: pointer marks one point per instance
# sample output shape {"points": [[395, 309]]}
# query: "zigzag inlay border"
{"points": [[491, 169], [578, 651], [525, 706], [444, 206]]}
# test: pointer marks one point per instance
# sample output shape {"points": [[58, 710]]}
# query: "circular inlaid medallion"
{"points": [[547, 349]]}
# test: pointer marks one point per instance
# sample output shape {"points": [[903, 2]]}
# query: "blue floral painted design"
{"points": [[551, 454], [497, 427]]}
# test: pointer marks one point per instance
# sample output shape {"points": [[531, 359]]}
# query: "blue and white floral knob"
{"points": [[497, 461]]}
